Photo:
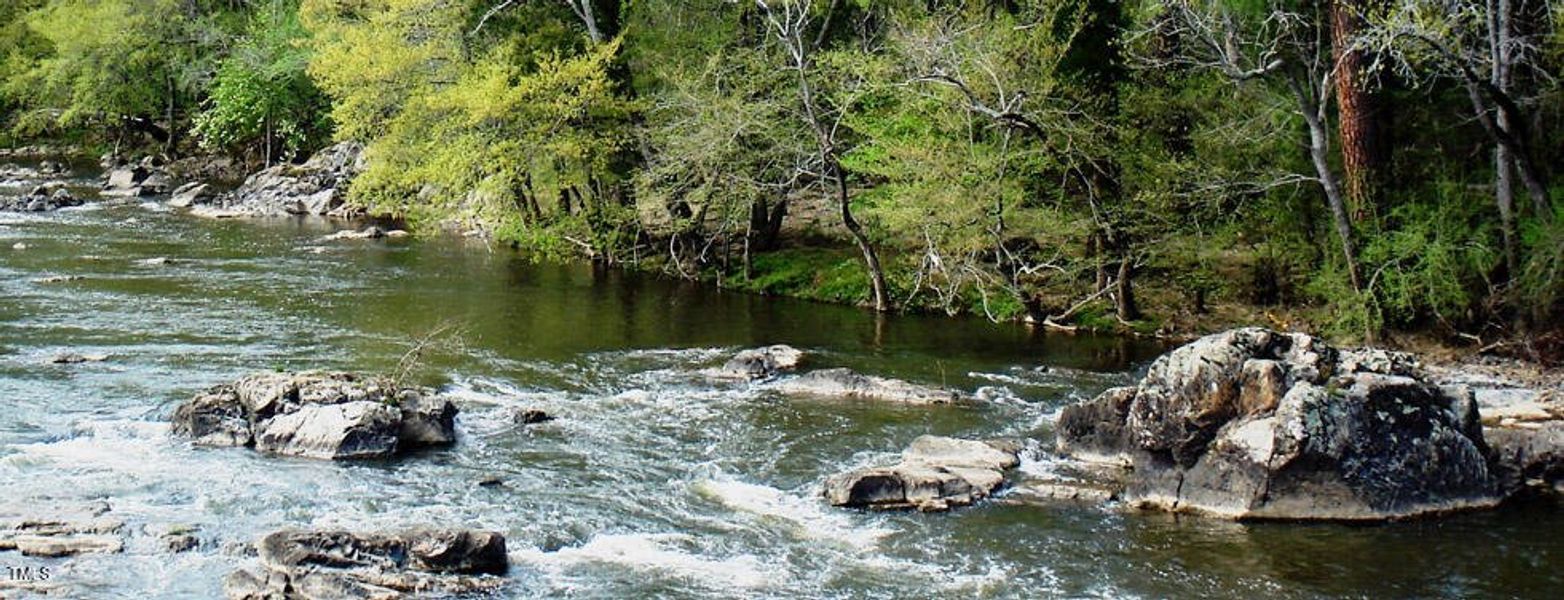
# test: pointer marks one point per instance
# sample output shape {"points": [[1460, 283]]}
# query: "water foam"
{"points": [[657, 553]]}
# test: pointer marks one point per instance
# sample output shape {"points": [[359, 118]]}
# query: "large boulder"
{"points": [[318, 187], [308, 565], [758, 364], [934, 474], [317, 415], [848, 384], [1257, 424]]}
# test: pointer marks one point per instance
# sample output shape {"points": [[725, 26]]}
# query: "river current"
{"points": [[652, 481]]}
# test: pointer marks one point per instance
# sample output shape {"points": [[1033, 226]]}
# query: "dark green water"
{"points": [[653, 482]]}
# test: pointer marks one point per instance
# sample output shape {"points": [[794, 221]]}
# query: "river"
{"points": [[652, 482]]}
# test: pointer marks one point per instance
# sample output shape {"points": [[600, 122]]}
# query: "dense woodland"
{"points": [[1359, 167]]}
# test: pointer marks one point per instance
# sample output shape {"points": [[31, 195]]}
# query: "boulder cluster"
{"points": [[317, 415], [316, 188], [298, 564], [1258, 424], [42, 198]]}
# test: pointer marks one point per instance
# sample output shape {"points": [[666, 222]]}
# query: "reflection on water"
{"points": [[652, 481]]}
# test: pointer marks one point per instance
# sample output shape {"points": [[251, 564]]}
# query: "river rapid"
{"points": [[652, 481]]}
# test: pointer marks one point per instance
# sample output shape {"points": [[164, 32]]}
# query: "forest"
{"points": [[1360, 168]]}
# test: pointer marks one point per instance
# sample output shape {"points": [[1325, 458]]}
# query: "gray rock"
{"points": [[1529, 457], [760, 363], [1256, 424], [317, 415], [332, 431], [191, 194], [46, 529], [44, 198], [426, 421], [300, 564], [935, 474], [317, 187], [847, 384]]}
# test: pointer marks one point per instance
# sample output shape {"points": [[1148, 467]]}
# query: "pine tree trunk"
{"points": [[1365, 156]]}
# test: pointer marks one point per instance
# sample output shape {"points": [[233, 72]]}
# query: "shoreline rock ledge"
{"points": [[301, 564], [317, 415], [1257, 424]]}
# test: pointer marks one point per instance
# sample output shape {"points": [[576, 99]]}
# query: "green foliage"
{"points": [[261, 95], [111, 58], [521, 136]]}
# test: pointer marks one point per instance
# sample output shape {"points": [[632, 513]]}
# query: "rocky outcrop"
{"points": [[935, 474], [43, 198], [144, 178], [317, 187], [56, 531], [191, 194], [1256, 424], [308, 565], [317, 415], [848, 384], [758, 364]]}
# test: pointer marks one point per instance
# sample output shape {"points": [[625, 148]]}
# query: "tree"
{"points": [[792, 22], [1286, 45], [1361, 122], [115, 62], [262, 94], [516, 130], [1481, 45]]}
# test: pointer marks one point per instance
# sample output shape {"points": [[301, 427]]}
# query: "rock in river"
{"points": [[309, 565], [846, 383], [43, 198], [760, 363], [47, 530], [1257, 424], [935, 473], [317, 187], [317, 415]]}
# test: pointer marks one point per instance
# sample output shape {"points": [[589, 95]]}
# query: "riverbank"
{"points": [[814, 260]]}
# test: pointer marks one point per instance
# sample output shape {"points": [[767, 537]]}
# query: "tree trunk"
{"points": [[1319, 154], [1503, 156], [1365, 156], [870, 259], [1125, 303]]}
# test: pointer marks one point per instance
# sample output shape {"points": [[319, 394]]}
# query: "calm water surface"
{"points": [[652, 482]]}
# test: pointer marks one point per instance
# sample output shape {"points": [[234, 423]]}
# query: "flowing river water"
{"points": [[652, 482]]}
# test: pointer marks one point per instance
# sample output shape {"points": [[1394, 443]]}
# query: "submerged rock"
{"points": [[317, 187], [760, 363], [371, 232], [530, 416], [56, 531], [71, 358], [1256, 424], [935, 474], [301, 564], [845, 383], [317, 415]]}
